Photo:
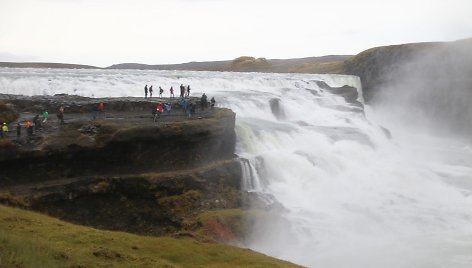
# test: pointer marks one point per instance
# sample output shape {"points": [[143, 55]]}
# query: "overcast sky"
{"points": [[104, 32]]}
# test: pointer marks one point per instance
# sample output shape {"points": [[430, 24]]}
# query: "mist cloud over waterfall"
{"points": [[345, 193], [427, 85]]}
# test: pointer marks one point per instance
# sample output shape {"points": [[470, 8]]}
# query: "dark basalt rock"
{"points": [[349, 93], [84, 148], [124, 171], [154, 203]]}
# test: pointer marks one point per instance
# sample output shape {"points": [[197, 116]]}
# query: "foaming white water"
{"points": [[354, 198]]}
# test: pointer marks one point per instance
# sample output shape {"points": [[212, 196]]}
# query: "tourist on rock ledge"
{"points": [[29, 128], [18, 130], [150, 91], [160, 91], [101, 108], [168, 107], [213, 101], [188, 91], [37, 123], [158, 112], [60, 115], [182, 90], [183, 103], [145, 91], [203, 101], [45, 116], [171, 90], [191, 110], [4, 130]]}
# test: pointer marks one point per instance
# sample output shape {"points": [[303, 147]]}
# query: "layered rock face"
{"points": [[89, 148], [124, 171]]}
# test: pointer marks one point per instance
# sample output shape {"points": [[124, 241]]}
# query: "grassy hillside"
{"points": [[325, 64], [29, 239]]}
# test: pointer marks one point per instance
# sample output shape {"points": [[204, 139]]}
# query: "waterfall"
{"points": [[352, 195], [250, 179]]}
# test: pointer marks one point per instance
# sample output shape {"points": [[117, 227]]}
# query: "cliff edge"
{"points": [[124, 171]]}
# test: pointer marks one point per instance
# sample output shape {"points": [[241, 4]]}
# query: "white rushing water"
{"points": [[353, 197]]}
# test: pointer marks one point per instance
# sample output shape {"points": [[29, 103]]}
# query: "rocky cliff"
{"points": [[433, 78], [122, 171]]}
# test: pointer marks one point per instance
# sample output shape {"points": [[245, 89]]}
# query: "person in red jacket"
{"points": [[101, 109], [159, 111], [29, 128]]}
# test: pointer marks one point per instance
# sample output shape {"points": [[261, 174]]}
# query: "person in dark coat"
{"points": [[203, 101], [188, 91], [182, 90], [18, 130], [212, 101], [60, 115], [36, 122]]}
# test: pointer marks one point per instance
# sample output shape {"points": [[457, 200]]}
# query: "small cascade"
{"points": [[250, 179]]}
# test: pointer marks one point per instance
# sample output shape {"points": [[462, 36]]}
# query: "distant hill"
{"points": [[324, 64], [45, 65], [190, 66]]}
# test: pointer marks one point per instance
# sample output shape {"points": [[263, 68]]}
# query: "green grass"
{"points": [[30, 239]]}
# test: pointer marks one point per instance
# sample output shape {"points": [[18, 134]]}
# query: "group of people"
{"points": [[187, 107], [204, 102], [31, 125], [160, 108], [98, 110], [184, 91]]}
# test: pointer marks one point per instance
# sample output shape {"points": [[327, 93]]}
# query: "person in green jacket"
{"points": [[45, 116]]}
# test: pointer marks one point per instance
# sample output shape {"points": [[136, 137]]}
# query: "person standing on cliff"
{"points": [[101, 109], [171, 90], [212, 101], [29, 128], [168, 107], [150, 91], [188, 91], [182, 90], [60, 114], [145, 91], [183, 103], [159, 111], [5, 130], [37, 123], [45, 116], [203, 101], [191, 110], [160, 91], [18, 130]]}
